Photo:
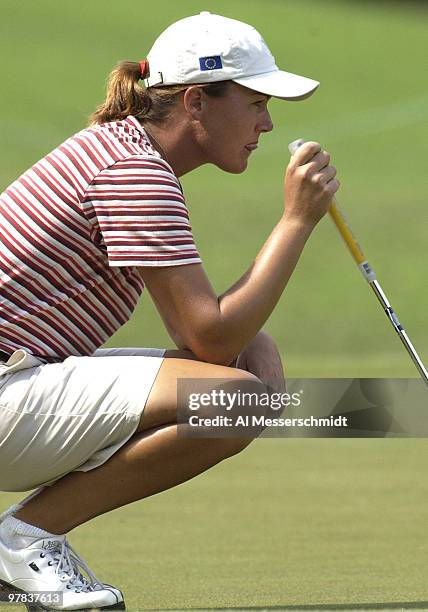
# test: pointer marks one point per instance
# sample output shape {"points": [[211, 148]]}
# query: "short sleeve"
{"points": [[139, 211]]}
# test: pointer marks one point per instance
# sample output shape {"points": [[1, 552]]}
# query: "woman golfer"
{"points": [[83, 232]]}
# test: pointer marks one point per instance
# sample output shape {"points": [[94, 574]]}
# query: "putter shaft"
{"points": [[367, 271]]}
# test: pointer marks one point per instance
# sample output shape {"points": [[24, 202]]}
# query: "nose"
{"points": [[265, 124]]}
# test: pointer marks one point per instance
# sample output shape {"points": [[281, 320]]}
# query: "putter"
{"points": [[369, 274]]}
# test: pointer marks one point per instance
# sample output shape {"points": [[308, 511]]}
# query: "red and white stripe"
{"points": [[74, 228]]}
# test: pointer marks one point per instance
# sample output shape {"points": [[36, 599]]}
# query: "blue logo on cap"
{"points": [[213, 62]]}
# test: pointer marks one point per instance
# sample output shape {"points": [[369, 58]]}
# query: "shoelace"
{"points": [[68, 564]]}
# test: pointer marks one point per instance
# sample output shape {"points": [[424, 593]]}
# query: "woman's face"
{"points": [[231, 126]]}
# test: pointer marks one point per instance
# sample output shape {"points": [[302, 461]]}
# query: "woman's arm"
{"points": [[216, 329]]}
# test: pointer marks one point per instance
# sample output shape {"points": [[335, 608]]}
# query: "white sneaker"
{"points": [[50, 564]]}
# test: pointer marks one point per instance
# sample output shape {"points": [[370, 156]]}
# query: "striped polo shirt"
{"points": [[74, 230]]}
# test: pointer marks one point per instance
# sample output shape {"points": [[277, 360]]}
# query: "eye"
{"points": [[261, 103]]}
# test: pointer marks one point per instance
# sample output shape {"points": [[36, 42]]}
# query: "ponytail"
{"points": [[125, 96]]}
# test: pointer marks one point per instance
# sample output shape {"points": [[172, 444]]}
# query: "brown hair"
{"points": [[126, 97]]}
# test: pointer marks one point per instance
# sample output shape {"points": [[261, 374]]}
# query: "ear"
{"points": [[193, 102]]}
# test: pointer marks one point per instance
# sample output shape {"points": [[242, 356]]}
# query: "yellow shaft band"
{"points": [[341, 224]]}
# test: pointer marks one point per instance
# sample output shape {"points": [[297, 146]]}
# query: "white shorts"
{"points": [[69, 416]]}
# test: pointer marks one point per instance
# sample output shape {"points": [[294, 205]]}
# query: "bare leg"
{"points": [[153, 460], [147, 464]]}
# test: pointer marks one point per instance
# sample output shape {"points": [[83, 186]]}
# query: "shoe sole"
{"points": [[7, 589]]}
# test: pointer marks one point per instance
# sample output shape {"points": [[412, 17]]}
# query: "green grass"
{"points": [[289, 522]]}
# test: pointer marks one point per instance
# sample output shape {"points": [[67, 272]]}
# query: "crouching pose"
{"points": [[83, 232]]}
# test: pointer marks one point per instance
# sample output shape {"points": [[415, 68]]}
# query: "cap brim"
{"points": [[280, 84]]}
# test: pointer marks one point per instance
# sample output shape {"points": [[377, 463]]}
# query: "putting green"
{"points": [[286, 523]]}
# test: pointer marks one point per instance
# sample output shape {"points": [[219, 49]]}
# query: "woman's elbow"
{"points": [[216, 353]]}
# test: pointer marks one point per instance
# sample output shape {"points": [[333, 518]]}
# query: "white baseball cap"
{"points": [[207, 48]]}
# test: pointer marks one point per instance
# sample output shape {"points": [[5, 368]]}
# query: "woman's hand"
{"points": [[261, 358], [310, 184]]}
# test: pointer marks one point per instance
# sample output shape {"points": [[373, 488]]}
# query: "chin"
{"points": [[236, 167]]}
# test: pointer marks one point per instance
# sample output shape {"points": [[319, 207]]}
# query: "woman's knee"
{"points": [[179, 381], [232, 418]]}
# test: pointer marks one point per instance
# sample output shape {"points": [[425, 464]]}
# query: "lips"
{"points": [[251, 147]]}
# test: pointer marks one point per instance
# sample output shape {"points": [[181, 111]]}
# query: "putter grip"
{"points": [[293, 146], [340, 221]]}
